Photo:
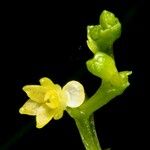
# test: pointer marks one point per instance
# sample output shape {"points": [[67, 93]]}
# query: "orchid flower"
{"points": [[49, 100]]}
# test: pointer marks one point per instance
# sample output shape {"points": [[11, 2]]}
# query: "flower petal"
{"points": [[29, 108], [35, 92], [58, 114], [44, 115], [75, 92], [46, 82]]}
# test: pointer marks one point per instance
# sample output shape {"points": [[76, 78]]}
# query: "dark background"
{"points": [[49, 39]]}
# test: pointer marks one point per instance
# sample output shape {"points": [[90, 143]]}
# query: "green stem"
{"points": [[104, 94], [83, 115], [88, 134]]}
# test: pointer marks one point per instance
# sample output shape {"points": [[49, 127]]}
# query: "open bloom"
{"points": [[49, 100]]}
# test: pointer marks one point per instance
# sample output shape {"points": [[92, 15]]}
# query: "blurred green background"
{"points": [[49, 39]]}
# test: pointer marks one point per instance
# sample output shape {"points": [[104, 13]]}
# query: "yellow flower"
{"points": [[49, 100]]}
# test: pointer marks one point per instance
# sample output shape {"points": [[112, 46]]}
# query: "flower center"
{"points": [[52, 99]]}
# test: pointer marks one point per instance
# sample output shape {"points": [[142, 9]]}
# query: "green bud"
{"points": [[102, 66], [108, 19], [101, 37]]}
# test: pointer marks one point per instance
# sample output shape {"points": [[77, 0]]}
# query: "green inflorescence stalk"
{"points": [[100, 41]]}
